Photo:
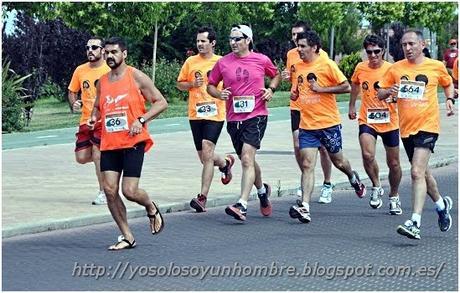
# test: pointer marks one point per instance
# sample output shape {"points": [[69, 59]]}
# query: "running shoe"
{"points": [[265, 204], [445, 219], [326, 193], [237, 211], [395, 206], [100, 199], [409, 229], [359, 187], [301, 213], [226, 175], [375, 200], [199, 203]]}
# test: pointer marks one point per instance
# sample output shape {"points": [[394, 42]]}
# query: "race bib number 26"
{"points": [[411, 90]]}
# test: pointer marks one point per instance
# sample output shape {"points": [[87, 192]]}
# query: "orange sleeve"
{"points": [[354, 77], [74, 85], [336, 74], [387, 79], [444, 78], [184, 71], [455, 69]]}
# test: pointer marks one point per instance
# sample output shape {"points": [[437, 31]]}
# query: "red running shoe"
{"points": [[199, 203], [227, 170]]}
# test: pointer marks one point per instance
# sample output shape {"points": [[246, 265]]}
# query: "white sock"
{"points": [[416, 218], [440, 204], [353, 178], [243, 202], [261, 190], [394, 198], [306, 205]]}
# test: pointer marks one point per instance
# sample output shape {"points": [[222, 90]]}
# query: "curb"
{"points": [[225, 199]]}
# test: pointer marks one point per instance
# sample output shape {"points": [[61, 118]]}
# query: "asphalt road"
{"points": [[347, 246]]}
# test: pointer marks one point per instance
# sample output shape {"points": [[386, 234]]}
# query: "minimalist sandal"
{"points": [[122, 240], [154, 217]]}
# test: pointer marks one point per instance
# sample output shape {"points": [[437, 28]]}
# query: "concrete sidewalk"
{"points": [[45, 189]]}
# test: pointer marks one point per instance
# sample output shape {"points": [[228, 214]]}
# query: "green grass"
{"points": [[52, 114]]}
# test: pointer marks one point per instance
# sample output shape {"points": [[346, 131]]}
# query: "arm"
{"points": [[187, 85], [96, 113], [274, 82], [449, 93], [215, 93], [151, 94], [342, 88], [385, 93], [74, 102], [355, 89]]}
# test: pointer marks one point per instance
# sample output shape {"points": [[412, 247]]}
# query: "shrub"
{"points": [[348, 64], [14, 100], [165, 79], [50, 89]]}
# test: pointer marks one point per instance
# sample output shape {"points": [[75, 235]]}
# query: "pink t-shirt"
{"points": [[245, 77]]}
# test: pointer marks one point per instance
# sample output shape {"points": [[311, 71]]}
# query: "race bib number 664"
{"points": [[411, 90]]}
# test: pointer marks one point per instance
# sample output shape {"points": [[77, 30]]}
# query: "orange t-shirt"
{"points": [[318, 110], [293, 58], [369, 79], [420, 114], [84, 78], [201, 105], [121, 103], [455, 69]]}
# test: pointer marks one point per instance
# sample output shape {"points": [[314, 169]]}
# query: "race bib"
{"points": [[411, 90], [378, 116], [116, 122], [244, 104], [206, 109]]}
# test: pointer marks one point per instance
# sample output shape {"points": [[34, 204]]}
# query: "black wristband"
{"points": [[273, 89], [452, 99]]}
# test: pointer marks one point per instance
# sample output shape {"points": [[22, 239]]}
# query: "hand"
{"points": [[314, 86], [351, 112], [76, 106], [225, 93], [198, 82], [136, 128], [91, 123], [286, 75], [268, 94], [450, 108], [294, 95], [394, 90]]}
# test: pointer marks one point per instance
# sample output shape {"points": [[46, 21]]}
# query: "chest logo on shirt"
{"points": [[312, 77], [422, 77], [242, 74], [86, 84], [109, 100]]}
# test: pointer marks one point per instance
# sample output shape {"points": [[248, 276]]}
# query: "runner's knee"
{"points": [[129, 192], [110, 190]]}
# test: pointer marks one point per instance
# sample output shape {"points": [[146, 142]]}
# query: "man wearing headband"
{"points": [[242, 72]]}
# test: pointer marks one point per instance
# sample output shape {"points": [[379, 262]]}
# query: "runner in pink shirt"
{"points": [[243, 72]]}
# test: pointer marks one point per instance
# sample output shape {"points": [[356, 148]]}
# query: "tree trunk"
{"points": [[155, 42]]}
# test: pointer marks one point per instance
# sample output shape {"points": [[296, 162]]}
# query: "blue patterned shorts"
{"points": [[330, 138]]}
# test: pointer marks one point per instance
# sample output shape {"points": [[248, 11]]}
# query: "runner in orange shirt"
{"points": [[287, 75], [320, 125], [120, 104], [376, 118], [414, 81], [83, 79], [206, 114], [455, 77]]}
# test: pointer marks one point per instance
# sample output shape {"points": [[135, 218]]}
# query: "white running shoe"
{"points": [[326, 194], [376, 197], [395, 206], [100, 199]]}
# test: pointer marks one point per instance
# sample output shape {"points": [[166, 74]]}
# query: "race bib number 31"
{"points": [[116, 122], [244, 104], [206, 109], [378, 116], [411, 89]]}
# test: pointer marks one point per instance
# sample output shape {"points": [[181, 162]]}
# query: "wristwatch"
{"points": [[273, 89], [141, 120]]}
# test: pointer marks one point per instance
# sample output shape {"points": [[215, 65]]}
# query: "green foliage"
{"points": [[50, 89], [13, 99], [165, 79], [348, 64], [284, 86]]}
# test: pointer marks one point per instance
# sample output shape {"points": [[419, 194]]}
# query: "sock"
{"points": [[243, 202], [306, 205], [440, 204], [261, 190], [353, 179], [416, 218], [394, 198]]}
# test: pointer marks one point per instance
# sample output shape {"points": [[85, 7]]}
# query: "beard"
{"points": [[93, 58], [113, 64]]}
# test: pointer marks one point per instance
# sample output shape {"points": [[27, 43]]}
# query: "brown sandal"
{"points": [[154, 217]]}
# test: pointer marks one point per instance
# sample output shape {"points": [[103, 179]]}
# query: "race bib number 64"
{"points": [[413, 90]]}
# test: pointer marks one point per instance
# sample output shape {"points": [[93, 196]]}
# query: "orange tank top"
{"points": [[121, 103]]}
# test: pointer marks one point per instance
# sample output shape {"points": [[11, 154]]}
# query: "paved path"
{"points": [[346, 236], [44, 189]]}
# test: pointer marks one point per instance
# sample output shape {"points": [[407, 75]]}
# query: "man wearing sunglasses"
{"points": [[450, 54], [242, 72], [414, 81], [319, 118], [83, 80], [376, 118], [287, 75], [206, 114]]}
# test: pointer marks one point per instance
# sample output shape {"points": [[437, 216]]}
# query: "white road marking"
{"points": [[46, 136]]}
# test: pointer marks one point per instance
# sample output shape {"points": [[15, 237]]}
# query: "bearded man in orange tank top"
{"points": [[120, 104]]}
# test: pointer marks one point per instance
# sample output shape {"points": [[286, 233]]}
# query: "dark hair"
{"points": [[117, 41], [373, 40], [426, 52], [211, 32], [415, 31], [303, 25], [312, 39], [97, 38]]}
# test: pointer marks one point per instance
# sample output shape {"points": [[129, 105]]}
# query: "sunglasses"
{"points": [[236, 39], [453, 44], [93, 47], [376, 51]]}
